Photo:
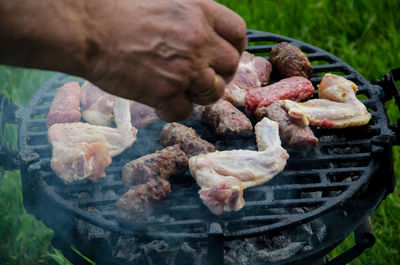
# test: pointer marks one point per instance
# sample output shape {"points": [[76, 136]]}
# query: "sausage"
{"points": [[290, 61], [187, 138], [137, 202], [163, 163], [226, 119]]}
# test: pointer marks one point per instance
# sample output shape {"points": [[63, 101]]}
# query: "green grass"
{"points": [[365, 34]]}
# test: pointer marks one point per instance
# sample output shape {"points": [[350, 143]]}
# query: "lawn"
{"points": [[365, 34]]}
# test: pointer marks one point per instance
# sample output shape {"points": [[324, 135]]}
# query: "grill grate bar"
{"points": [[303, 187], [263, 218]]}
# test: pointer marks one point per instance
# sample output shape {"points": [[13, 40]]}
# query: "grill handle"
{"points": [[388, 84], [364, 238], [390, 90], [9, 157]]}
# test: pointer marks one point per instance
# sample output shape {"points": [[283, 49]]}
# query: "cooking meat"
{"points": [[187, 138], [65, 106], [290, 60], [222, 176], [295, 88], [226, 119], [81, 150], [293, 132], [141, 114], [253, 71], [137, 202], [337, 106], [163, 163], [98, 106]]}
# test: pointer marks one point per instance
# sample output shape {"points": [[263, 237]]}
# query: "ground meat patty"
{"points": [[295, 88], [65, 107], [226, 119], [293, 133], [290, 60], [163, 163], [137, 202], [187, 138]]}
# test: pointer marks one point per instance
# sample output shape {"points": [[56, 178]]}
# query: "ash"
{"points": [[271, 249], [265, 249], [159, 252]]}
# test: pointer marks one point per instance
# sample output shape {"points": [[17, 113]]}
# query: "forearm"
{"points": [[43, 34]]}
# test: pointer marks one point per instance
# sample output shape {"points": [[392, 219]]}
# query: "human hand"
{"points": [[167, 54]]}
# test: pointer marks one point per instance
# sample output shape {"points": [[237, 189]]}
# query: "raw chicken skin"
{"points": [[98, 108], [224, 175], [81, 150], [97, 105], [337, 106]]}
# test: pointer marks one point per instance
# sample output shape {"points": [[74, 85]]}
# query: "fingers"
{"points": [[208, 88], [228, 25], [224, 59], [178, 108]]}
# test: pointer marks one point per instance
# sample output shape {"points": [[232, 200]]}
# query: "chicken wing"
{"points": [[81, 150], [223, 176], [337, 106]]}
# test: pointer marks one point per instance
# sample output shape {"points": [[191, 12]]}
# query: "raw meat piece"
{"points": [[65, 106], [163, 163], [226, 119], [253, 71], [290, 60], [97, 108], [97, 105], [136, 203], [81, 150], [295, 88], [187, 138], [141, 114], [222, 176], [293, 132], [337, 106]]}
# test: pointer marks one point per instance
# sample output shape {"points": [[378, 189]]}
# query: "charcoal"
{"points": [[276, 255]]}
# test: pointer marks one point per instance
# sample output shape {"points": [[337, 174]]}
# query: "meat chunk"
{"points": [[137, 202], [225, 118], [253, 71], [336, 107], [66, 105], [141, 114], [290, 60], [163, 163], [98, 106], [81, 150], [222, 176], [293, 132], [295, 88], [187, 138]]}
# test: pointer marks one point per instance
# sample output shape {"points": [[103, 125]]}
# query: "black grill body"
{"points": [[335, 186]]}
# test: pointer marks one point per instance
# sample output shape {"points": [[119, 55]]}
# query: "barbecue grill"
{"points": [[298, 217]]}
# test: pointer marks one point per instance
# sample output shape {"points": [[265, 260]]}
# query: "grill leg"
{"points": [[364, 238], [215, 246]]}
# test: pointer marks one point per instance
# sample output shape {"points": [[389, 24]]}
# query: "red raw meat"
{"points": [[65, 107], [295, 88]]}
